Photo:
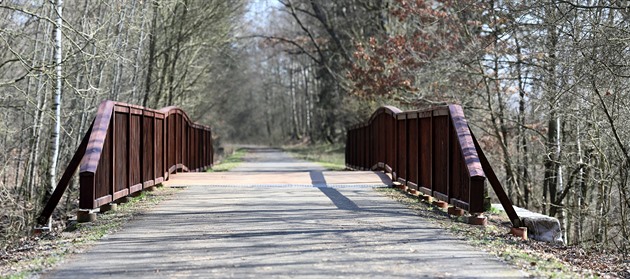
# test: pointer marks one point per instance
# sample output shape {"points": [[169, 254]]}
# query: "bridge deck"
{"points": [[305, 178], [300, 223]]}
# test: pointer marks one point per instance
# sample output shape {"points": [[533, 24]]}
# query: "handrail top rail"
{"points": [[101, 124], [398, 113], [165, 111], [175, 109], [104, 113]]}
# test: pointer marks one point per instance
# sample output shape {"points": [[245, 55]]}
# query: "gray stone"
{"points": [[539, 227]]}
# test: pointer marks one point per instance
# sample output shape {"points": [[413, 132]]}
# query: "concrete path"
{"points": [[281, 231]]}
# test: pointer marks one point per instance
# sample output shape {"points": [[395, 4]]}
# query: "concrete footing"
{"points": [[85, 216], [440, 204], [478, 219], [426, 198], [109, 207], [519, 232], [455, 211]]}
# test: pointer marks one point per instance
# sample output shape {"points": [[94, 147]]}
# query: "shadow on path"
{"points": [[341, 202]]}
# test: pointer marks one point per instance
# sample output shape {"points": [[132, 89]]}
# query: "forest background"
{"points": [[545, 85]]}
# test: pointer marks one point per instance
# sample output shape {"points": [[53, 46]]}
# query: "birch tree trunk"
{"points": [[56, 105]]}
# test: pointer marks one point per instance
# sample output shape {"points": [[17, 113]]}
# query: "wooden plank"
{"points": [[439, 156], [120, 194], [413, 152], [121, 149], [102, 201]]}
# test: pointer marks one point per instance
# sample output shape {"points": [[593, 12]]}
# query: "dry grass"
{"points": [[34, 254], [540, 259]]}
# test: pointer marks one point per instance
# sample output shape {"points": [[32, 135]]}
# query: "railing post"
{"points": [[206, 144], [368, 164], [112, 153], [417, 155], [142, 147], [154, 153], [184, 141], [448, 158], [87, 195], [128, 146], [395, 169], [432, 154], [407, 154], [358, 148], [177, 141]]}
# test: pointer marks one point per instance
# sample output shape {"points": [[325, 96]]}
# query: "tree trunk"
{"points": [[56, 105], [151, 56]]}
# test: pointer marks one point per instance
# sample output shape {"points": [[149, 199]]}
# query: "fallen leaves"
{"points": [[542, 259]]}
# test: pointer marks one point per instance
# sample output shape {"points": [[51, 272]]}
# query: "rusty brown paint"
{"points": [[431, 150], [129, 147]]}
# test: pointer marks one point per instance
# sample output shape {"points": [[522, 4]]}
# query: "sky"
{"points": [[258, 11]]}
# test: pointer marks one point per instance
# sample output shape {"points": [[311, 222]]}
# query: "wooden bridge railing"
{"points": [[432, 151], [129, 148]]}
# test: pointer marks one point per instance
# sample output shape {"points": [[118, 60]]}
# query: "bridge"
{"points": [[276, 216]]}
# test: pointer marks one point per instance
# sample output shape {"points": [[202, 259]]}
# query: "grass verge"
{"points": [[329, 156], [528, 255], [230, 162], [35, 254]]}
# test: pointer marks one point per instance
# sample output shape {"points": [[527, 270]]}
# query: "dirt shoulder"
{"points": [[34, 254], [540, 259]]}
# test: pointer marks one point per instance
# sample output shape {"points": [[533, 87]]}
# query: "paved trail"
{"points": [[281, 231]]}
